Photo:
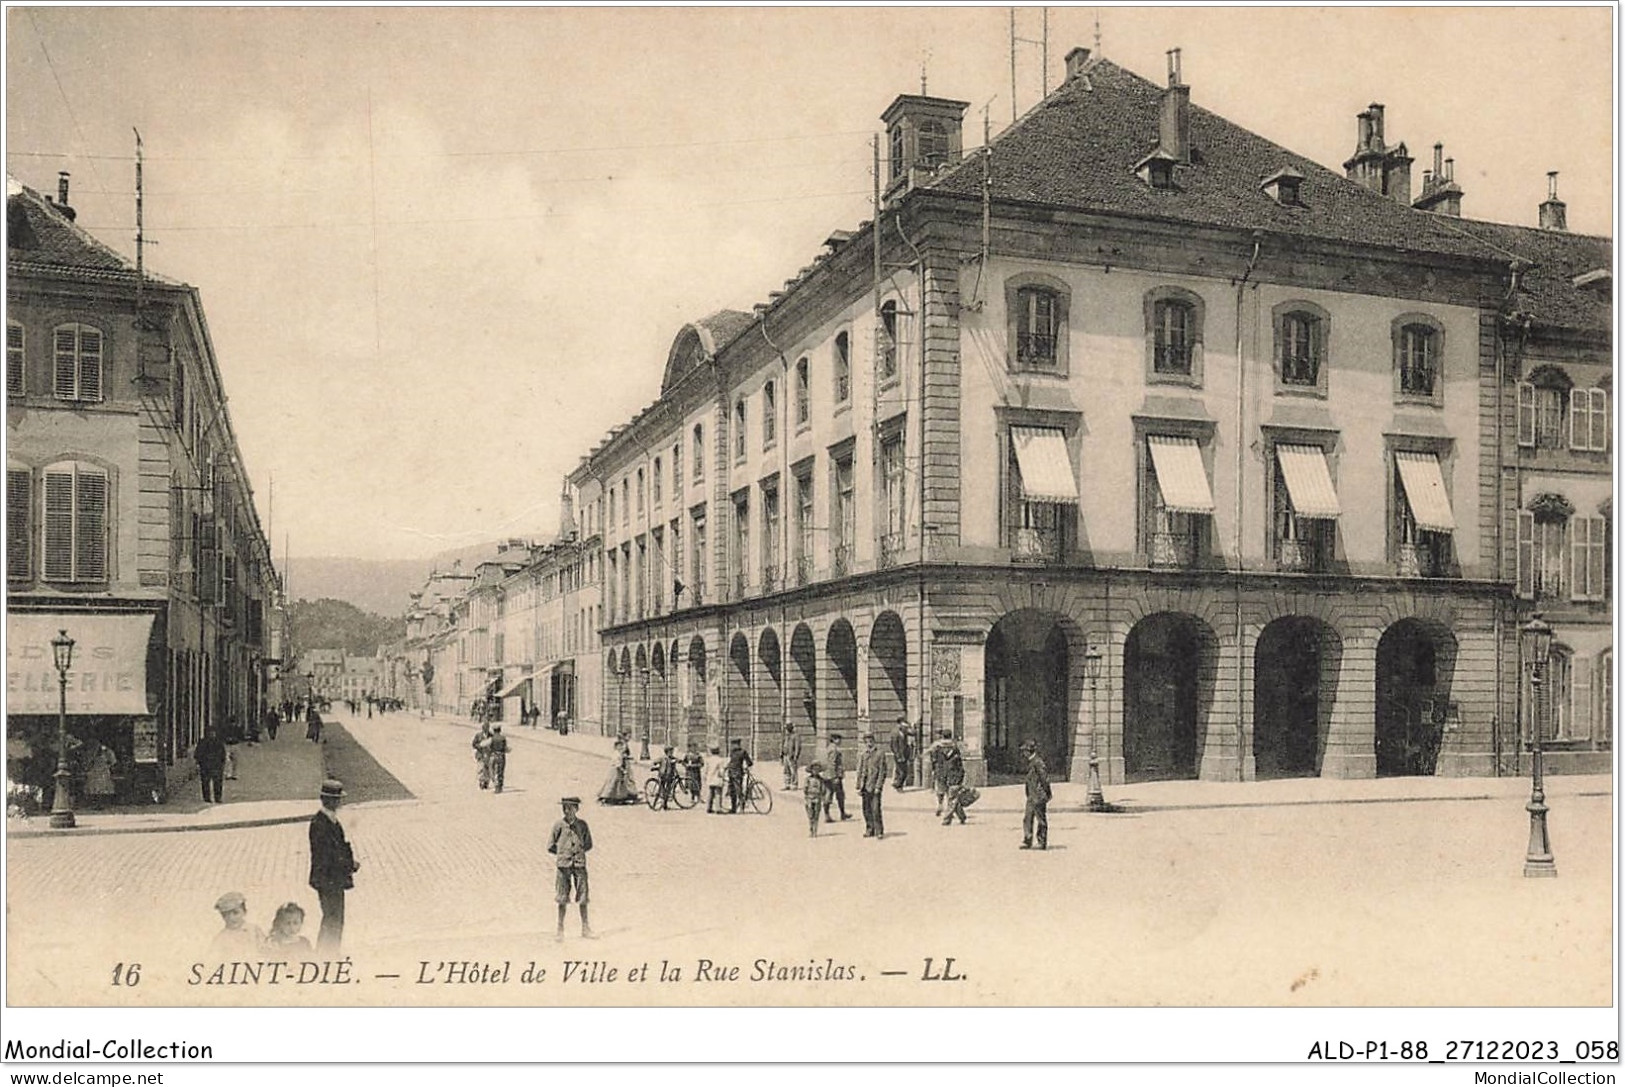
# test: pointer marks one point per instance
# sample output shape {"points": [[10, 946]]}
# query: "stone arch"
{"points": [[1170, 664], [841, 679], [1416, 666], [802, 677], [888, 672], [736, 691], [769, 691], [1036, 689], [1296, 663]]}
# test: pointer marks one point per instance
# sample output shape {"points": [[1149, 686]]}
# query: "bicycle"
{"points": [[680, 794], [758, 795]]}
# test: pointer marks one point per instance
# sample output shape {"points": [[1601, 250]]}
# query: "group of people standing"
{"points": [[491, 756]]}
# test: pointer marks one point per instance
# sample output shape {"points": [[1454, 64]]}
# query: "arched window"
{"points": [[886, 344], [843, 368], [76, 516], [699, 452], [1037, 323], [1173, 335], [770, 414], [896, 152], [1301, 334], [1418, 357], [803, 392], [739, 429], [77, 366]]}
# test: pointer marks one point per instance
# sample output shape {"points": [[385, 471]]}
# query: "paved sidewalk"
{"points": [[278, 783]]}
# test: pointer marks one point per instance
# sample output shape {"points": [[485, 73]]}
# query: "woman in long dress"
{"points": [[618, 787]]}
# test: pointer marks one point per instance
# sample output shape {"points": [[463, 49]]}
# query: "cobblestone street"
{"points": [[1305, 902]]}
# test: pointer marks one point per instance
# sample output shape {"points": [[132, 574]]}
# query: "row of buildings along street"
{"points": [[1131, 433]]}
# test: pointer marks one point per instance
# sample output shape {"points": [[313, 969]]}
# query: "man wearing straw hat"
{"points": [[332, 864]]}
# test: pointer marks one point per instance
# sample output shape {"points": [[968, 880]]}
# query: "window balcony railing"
{"points": [[1173, 550], [891, 546], [1036, 545], [1302, 557], [1423, 560], [804, 569], [841, 561]]}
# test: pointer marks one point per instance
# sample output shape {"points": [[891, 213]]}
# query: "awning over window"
{"points": [[512, 690], [1424, 490], [109, 670], [1181, 475], [1046, 467], [1308, 482]]}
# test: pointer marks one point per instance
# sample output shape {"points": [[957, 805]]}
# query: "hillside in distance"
{"points": [[380, 586]]}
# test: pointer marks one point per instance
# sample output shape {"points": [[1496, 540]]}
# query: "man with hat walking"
{"points": [[569, 842], [1038, 794], [332, 864], [496, 757], [902, 753]]}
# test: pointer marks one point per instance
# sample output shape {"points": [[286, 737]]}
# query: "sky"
{"points": [[443, 251]]}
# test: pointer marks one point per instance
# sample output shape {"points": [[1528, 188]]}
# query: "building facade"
{"points": [[1132, 434], [130, 523]]}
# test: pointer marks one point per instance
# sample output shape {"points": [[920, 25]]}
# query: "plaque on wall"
{"points": [[945, 668], [146, 739]]}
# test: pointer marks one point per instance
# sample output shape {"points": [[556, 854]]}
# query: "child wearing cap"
{"points": [[569, 842], [238, 939], [813, 793]]}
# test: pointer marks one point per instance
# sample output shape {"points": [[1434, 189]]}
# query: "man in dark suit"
{"points": [[873, 770], [332, 865], [210, 754], [1038, 797], [902, 753], [835, 778]]}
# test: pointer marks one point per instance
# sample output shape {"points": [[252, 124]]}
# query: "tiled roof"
{"points": [[1079, 147], [723, 327], [1548, 292], [39, 238]]}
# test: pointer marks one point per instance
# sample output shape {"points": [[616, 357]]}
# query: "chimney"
{"points": [[1396, 174], [1373, 165], [1175, 131], [1440, 193], [1553, 213], [62, 195], [1075, 60]]}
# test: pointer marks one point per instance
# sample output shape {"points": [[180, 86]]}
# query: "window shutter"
{"points": [[1599, 420], [19, 522], [66, 371], [90, 364], [90, 527], [1526, 554], [1579, 419], [1597, 558], [1579, 699], [14, 358], [1579, 549], [1526, 415], [58, 558]]}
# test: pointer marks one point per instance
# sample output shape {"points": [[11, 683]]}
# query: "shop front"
{"points": [[110, 698]]}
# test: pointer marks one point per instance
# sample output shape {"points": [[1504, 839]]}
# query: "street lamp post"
{"points": [[1096, 800], [1535, 644], [62, 801]]}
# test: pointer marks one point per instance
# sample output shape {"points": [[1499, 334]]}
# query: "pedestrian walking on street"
{"points": [[570, 842], [790, 755], [481, 746], [313, 724], [952, 780], [873, 771], [619, 788], [1036, 814], [210, 755], [271, 722], [229, 770], [835, 778], [937, 755], [813, 794], [496, 757], [666, 771], [238, 940], [694, 770], [332, 865], [902, 753], [739, 761]]}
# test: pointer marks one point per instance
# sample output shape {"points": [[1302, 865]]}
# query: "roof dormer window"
{"points": [[1157, 169], [1282, 187]]}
